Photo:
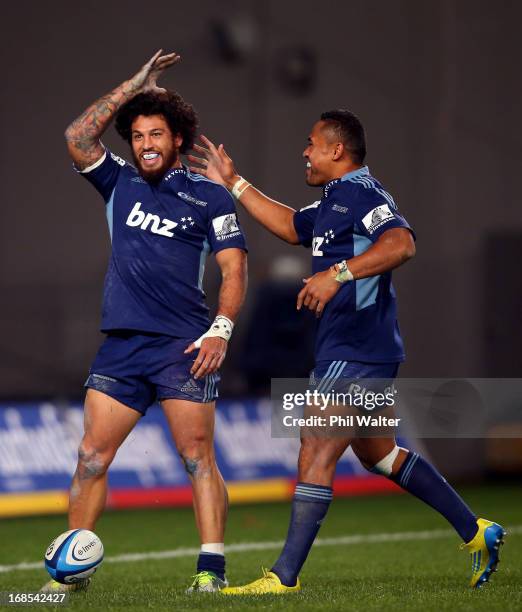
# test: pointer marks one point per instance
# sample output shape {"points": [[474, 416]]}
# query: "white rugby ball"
{"points": [[73, 556]]}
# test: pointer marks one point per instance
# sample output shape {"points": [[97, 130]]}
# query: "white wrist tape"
{"points": [[239, 187], [343, 272], [221, 328]]}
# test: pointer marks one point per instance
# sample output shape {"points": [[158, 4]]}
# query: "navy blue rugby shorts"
{"points": [[138, 369], [340, 375]]}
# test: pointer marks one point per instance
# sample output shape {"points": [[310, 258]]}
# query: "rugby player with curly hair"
{"points": [[160, 344]]}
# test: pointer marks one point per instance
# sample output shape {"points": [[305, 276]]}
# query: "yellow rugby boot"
{"points": [[269, 584], [484, 550]]}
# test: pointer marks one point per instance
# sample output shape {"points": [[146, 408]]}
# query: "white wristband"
{"points": [[221, 328], [239, 187]]}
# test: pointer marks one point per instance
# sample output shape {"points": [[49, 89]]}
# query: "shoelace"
{"points": [[266, 578], [198, 578]]}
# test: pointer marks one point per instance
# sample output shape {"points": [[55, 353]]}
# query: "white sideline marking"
{"points": [[367, 538]]}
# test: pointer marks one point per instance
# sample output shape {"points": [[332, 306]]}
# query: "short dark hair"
{"points": [[180, 116], [349, 130]]}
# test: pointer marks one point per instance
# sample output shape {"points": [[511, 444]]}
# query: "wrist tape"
{"points": [[343, 273], [239, 187], [221, 328]]}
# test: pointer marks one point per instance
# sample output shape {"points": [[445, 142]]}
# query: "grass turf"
{"points": [[408, 576]]}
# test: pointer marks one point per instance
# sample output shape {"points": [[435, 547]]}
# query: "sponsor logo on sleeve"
{"points": [[102, 377], [226, 226], [377, 217]]}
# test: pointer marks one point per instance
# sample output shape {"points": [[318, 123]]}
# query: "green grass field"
{"points": [[405, 574]]}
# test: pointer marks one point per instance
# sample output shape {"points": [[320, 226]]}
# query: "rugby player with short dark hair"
{"points": [[358, 237], [163, 221]]}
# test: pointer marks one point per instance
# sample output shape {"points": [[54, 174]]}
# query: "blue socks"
{"points": [[210, 562], [421, 479], [309, 507], [311, 503]]}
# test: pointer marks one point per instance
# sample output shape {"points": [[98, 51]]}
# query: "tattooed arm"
{"points": [[83, 135]]}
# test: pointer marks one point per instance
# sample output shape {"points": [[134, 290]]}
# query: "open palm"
{"points": [[147, 77], [215, 163]]}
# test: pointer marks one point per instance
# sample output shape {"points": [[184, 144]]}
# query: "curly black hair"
{"points": [[180, 116]]}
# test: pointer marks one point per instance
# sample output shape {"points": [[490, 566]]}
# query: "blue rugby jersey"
{"points": [[161, 234], [360, 322]]}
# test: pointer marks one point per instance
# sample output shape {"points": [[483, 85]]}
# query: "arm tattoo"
{"points": [[89, 126], [83, 135]]}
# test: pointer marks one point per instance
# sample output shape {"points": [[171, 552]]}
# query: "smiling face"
{"points": [[154, 148], [319, 155], [326, 157]]}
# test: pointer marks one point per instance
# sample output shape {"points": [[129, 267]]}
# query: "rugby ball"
{"points": [[73, 556]]}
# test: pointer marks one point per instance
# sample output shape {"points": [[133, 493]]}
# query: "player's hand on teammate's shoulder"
{"points": [[319, 289], [210, 357], [147, 76], [214, 163]]}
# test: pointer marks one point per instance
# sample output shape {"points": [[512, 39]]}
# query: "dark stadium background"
{"points": [[436, 83]]}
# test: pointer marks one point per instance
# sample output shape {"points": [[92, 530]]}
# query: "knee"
{"points": [[383, 465], [92, 462], [197, 454]]}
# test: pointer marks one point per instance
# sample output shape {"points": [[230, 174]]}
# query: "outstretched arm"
{"points": [[218, 166], [83, 135]]}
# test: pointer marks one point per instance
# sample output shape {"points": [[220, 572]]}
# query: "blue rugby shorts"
{"points": [[339, 375], [138, 369]]}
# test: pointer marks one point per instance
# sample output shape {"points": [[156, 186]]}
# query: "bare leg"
{"points": [[318, 458], [192, 427], [107, 423]]}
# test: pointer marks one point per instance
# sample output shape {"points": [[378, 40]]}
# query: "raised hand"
{"points": [[147, 76], [83, 134], [214, 163]]}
